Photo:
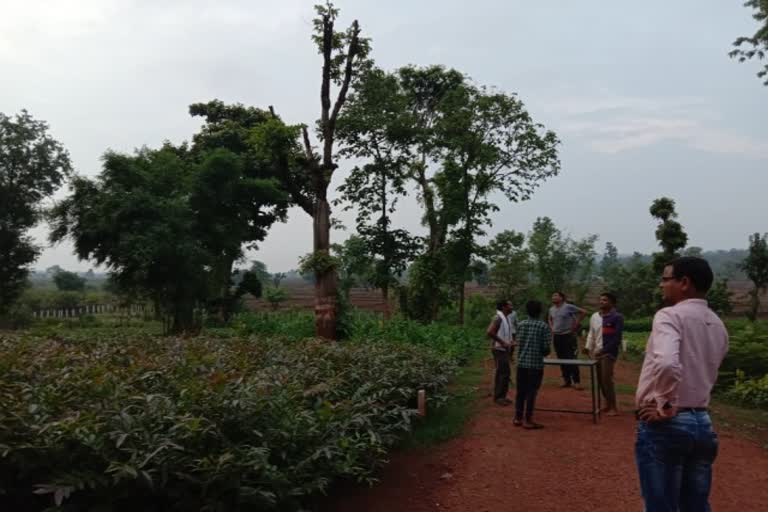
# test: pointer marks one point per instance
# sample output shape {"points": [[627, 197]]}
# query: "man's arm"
{"points": [[493, 332], [546, 338], [616, 343], [591, 337], [664, 350], [579, 315]]}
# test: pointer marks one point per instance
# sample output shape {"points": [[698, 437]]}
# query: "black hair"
{"points": [[533, 308], [561, 294], [610, 296], [500, 305], [697, 270]]}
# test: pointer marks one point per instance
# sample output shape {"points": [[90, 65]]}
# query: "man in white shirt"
{"points": [[502, 343]]}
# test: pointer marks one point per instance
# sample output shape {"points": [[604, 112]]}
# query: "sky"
{"points": [[643, 96]]}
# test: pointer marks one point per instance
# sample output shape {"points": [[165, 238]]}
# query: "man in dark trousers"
{"points": [[500, 332], [676, 444], [533, 339], [564, 319], [611, 332]]}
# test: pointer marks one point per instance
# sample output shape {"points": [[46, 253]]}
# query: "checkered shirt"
{"points": [[533, 340]]}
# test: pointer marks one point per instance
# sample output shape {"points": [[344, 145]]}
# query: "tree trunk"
{"points": [[385, 298], [325, 280], [754, 304], [183, 317], [461, 304]]}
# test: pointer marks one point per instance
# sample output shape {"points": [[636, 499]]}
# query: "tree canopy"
{"points": [[33, 165], [757, 44]]}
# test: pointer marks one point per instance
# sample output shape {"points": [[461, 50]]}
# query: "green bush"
{"points": [[455, 342], [641, 324], [749, 392], [150, 423], [291, 325]]}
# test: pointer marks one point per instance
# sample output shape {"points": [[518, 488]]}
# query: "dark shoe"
{"points": [[517, 422], [578, 387], [530, 425], [565, 385], [503, 401]]}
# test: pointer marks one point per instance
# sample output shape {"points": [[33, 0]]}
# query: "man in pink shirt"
{"points": [[676, 444]]}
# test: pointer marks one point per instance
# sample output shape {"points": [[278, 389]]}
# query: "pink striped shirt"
{"points": [[687, 344]]}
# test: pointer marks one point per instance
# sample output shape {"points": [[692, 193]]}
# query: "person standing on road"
{"points": [[676, 443], [606, 328], [502, 343], [533, 340], [564, 320]]}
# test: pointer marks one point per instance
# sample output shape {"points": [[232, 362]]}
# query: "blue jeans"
{"points": [[674, 460]]}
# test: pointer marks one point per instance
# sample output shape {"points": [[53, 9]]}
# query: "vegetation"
{"points": [[757, 43], [755, 265], [32, 167]]}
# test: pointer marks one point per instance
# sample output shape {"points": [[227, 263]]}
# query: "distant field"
{"points": [[302, 296]]}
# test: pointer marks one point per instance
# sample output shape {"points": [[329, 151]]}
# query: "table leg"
{"points": [[595, 394], [599, 397]]}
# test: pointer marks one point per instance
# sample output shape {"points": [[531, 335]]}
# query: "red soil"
{"points": [[571, 464]]}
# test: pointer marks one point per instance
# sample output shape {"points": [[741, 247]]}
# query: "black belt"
{"points": [[691, 409]]}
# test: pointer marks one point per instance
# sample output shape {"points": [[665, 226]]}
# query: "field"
{"points": [[121, 418], [301, 296]]}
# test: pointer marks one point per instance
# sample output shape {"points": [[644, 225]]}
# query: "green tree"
{"points": [[634, 282], [235, 194], [69, 281], [488, 144], [33, 166], [376, 127], [135, 218], [670, 234], [259, 268], [465, 143], [719, 298], [480, 272], [559, 262], [755, 265], [275, 297], [354, 263], [307, 177], [426, 90], [170, 223], [757, 44], [609, 264], [510, 264]]}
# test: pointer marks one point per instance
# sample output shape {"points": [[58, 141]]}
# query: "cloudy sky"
{"points": [[642, 94]]}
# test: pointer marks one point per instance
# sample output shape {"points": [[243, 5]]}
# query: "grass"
{"points": [[751, 424], [448, 421]]}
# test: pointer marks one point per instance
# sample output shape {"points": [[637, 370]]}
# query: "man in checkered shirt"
{"points": [[533, 337]]}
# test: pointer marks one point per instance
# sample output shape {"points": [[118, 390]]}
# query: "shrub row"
{"points": [[457, 343], [138, 422]]}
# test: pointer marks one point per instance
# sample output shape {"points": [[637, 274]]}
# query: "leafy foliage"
{"points": [[170, 223], [719, 298], [139, 422], [669, 233], [32, 166], [758, 42], [750, 392], [755, 265], [559, 262], [275, 296], [510, 264], [69, 281]]}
